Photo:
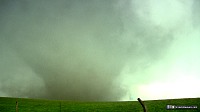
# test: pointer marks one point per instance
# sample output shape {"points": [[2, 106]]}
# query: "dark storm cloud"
{"points": [[73, 50]]}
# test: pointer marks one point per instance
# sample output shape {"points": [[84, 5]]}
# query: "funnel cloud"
{"points": [[92, 50]]}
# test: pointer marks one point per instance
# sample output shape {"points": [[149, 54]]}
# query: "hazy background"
{"points": [[100, 50]]}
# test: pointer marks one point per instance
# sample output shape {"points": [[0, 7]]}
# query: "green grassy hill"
{"points": [[40, 105]]}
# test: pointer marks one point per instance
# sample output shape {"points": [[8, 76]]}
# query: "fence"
{"points": [[141, 102], [16, 106]]}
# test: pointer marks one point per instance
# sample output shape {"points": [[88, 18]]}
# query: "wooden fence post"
{"points": [[16, 106], [60, 106], [143, 105]]}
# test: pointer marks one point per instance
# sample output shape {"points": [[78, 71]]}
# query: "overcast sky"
{"points": [[100, 50]]}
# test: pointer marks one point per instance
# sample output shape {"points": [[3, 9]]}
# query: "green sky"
{"points": [[99, 50]]}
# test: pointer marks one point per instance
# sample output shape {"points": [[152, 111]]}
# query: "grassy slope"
{"points": [[38, 105]]}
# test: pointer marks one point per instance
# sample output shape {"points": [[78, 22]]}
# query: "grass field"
{"points": [[40, 105]]}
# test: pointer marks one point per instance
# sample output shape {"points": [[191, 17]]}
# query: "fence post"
{"points": [[143, 105], [60, 106], [16, 106]]}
